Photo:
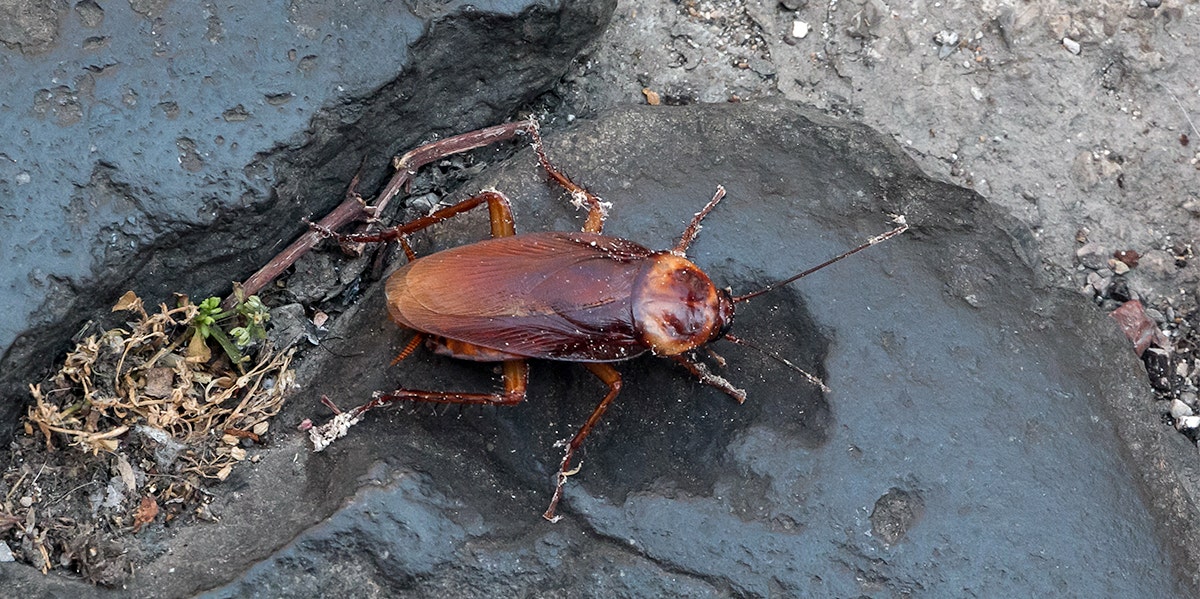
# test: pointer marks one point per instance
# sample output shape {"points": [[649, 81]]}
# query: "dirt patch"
{"points": [[133, 429]]}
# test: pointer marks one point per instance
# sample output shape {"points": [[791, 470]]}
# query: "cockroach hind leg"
{"points": [[337, 427]]}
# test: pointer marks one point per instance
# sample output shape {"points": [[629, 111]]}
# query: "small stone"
{"points": [[1092, 255], [1188, 423], [26, 501], [6, 554], [1099, 283], [1118, 267], [1180, 409], [946, 38], [947, 42], [799, 29], [1071, 45], [1129, 257], [1152, 3]]}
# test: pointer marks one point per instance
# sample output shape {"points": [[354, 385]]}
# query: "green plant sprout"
{"points": [[249, 315]]}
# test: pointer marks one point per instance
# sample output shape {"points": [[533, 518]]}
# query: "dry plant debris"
{"points": [[132, 429]]}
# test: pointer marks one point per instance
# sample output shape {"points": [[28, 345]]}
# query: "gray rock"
{"points": [[683, 492]]}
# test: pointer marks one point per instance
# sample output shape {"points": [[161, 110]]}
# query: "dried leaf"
{"points": [[146, 512], [129, 301], [224, 473], [198, 350], [160, 381], [126, 472]]}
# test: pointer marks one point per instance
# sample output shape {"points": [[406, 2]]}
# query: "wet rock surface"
{"points": [[963, 388], [173, 147]]}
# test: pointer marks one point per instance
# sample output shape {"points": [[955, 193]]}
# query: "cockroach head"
{"points": [[676, 307]]}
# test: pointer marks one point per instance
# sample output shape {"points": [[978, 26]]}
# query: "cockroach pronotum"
{"points": [[578, 297]]}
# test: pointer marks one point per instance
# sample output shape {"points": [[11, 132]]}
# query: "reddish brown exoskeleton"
{"points": [[579, 297]]}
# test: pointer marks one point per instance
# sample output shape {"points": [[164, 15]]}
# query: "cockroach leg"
{"points": [[597, 208], [499, 208], [412, 346], [516, 380], [693, 228], [609, 376], [720, 360], [408, 251], [352, 209], [706, 376]]}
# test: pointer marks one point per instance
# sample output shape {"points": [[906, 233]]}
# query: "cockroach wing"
{"points": [[553, 295]]}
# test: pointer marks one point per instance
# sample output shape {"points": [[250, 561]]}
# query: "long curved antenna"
{"points": [[782, 360], [898, 219]]}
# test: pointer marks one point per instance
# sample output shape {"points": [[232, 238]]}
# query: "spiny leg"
{"points": [[499, 211], [706, 376], [597, 208], [408, 348], [352, 209], [516, 380], [693, 228], [609, 376]]}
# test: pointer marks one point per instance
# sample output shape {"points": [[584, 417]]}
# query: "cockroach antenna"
{"points": [[812, 378], [896, 218]]}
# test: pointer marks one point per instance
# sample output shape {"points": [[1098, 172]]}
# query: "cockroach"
{"points": [[579, 297]]}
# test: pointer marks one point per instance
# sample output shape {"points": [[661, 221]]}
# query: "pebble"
{"points": [[1180, 410], [947, 42], [1092, 255], [799, 29], [1071, 45], [1188, 422], [1129, 257], [6, 554]]}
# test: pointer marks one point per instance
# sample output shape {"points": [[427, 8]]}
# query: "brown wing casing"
{"points": [[552, 295]]}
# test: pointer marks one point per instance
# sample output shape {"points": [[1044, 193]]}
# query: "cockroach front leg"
{"points": [[609, 376], [708, 377]]}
